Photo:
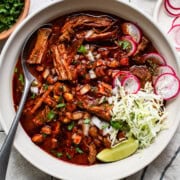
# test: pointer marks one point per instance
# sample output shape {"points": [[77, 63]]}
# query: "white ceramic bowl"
{"points": [[40, 158]]}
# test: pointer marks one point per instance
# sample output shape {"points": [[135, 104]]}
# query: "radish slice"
{"points": [[169, 8], [154, 58], [174, 4], [174, 34], [128, 45], [161, 70], [119, 77], [132, 30], [131, 84], [167, 86], [176, 21]]}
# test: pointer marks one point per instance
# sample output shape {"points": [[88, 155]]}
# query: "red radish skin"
{"points": [[133, 45], [131, 84], [171, 11], [167, 86], [161, 70], [172, 6], [176, 21], [155, 57], [119, 76], [132, 30], [174, 34]]}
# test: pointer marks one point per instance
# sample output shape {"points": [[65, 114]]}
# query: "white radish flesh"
{"points": [[161, 70], [154, 58], [131, 84], [132, 30], [167, 86]]}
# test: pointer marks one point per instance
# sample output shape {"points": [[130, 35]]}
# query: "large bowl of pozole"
{"points": [[105, 96]]}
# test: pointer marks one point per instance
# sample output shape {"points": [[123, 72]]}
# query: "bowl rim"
{"points": [[4, 34], [29, 158]]}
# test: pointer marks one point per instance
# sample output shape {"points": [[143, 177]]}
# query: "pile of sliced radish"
{"points": [[173, 9], [167, 86], [130, 82], [165, 82]]}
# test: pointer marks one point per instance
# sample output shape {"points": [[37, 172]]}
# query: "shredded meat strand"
{"points": [[40, 47], [41, 99]]}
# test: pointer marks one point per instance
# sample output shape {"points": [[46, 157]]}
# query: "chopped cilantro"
{"points": [[21, 78], [45, 86], [125, 45], [51, 115], [87, 121], [70, 126], [9, 13], [78, 150], [82, 50], [57, 154], [104, 126], [68, 156], [60, 105], [119, 125], [33, 96]]}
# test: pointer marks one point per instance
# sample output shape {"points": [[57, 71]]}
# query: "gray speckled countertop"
{"points": [[165, 167]]}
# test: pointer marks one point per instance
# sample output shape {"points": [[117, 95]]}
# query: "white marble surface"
{"points": [[20, 169]]}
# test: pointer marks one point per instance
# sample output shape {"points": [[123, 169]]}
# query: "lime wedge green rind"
{"points": [[119, 152]]}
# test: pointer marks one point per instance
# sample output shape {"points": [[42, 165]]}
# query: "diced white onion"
{"points": [[34, 89], [98, 56], [90, 56], [92, 74], [89, 33], [55, 78], [97, 122], [87, 47], [115, 90], [110, 100]]}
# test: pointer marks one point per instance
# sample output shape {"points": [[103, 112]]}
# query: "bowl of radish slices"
{"points": [[167, 15]]}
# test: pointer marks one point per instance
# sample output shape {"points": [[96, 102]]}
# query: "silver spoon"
{"points": [[29, 78]]}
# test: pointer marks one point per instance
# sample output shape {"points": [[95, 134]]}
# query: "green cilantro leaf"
{"points": [[78, 150], [60, 105], [87, 121], [82, 50], [70, 126], [51, 115]]}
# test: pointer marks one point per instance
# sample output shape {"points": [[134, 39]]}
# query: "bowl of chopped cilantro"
{"points": [[12, 12]]}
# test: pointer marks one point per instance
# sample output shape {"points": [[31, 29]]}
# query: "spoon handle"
{"points": [[6, 147]]}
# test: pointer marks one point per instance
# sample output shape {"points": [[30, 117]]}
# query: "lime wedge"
{"points": [[120, 151]]}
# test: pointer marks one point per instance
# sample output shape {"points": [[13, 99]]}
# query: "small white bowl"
{"points": [[23, 143]]}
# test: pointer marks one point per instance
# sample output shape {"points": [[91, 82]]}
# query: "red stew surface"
{"points": [[74, 62]]}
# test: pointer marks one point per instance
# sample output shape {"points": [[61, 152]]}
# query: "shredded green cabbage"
{"points": [[144, 113]]}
